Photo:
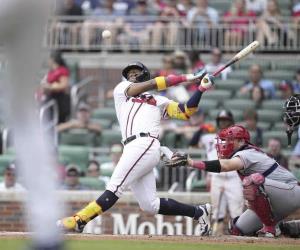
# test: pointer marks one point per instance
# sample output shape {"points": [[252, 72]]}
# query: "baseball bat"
{"points": [[244, 52]]}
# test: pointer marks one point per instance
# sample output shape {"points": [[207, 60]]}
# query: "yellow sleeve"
{"points": [[175, 112]]}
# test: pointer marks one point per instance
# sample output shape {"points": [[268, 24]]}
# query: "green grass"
{"points": [[17, 244]]}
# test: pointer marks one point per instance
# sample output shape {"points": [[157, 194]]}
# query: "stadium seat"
{"points": [[238, 104], [273, 104], [5, 160], [78, 137], [239, 74], [217, 95], [279, 75], [231, 84], [104, 123], [74, 155], [105, 113], [208, 104], [291, 65], [267, 115], [263, 125], [245, 64], [92, 183], [279, 126], [252, 137], [281, 135], [110, 137]]}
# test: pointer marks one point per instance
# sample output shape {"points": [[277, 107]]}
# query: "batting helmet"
{"points": [[224, 114], [225, 144], [145, 74], [292, 111]]}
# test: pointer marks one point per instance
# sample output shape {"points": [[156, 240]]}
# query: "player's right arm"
{"points": [[161, 83]]}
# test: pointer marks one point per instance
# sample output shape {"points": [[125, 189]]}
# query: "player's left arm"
{"points": [[161, 83], [217, 166], [183, 111]]}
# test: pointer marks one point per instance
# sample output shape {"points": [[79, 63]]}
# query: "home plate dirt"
{"points": [[166, 238]]}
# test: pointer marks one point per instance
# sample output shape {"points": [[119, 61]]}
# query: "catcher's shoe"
{"points": [[71, 224], [205, 220], [267, 231]]}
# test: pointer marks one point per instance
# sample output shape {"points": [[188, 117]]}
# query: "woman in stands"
{"points": [[55, 85]]}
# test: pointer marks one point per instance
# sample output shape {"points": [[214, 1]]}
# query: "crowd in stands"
{"points": [[168, 21]]}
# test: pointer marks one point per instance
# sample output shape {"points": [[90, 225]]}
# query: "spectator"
{"points": [[10, 183], [202, 17], [196, 62], [137, 32], [184, 6], [256, 79], [257, 96], [166, 30], [296, 83], [180, 65], [82, 121], [216, 62], [68, 8], [274, 150], [251, 118], [94, 171], [256, 6], [296, 14], [111, 17], [55, 85], [237, 20], [269, 24], [72, 179], [115, 154], [167, 66], [287, 89], [196, 65]]}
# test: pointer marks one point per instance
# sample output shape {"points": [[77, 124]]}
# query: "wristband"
{"points": [[161, 83], [212, 166]]}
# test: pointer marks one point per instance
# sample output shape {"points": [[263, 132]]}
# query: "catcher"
{"points": [[272, 192]]}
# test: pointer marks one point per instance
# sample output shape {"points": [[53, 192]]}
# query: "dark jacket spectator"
{"points": [[274, 150], [72, 179], [251, 118]]}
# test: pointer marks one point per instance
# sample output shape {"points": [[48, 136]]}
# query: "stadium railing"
{"points": [[84, 33]]}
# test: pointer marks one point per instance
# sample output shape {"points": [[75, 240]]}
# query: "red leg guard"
{"points": [[258, 200]]}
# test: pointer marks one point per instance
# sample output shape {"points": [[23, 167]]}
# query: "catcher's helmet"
{"points": [[224, 114], [225, 145], [145, 74], [292, 111]]}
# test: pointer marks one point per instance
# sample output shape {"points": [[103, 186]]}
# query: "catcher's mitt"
{"points": [[177, 160]]}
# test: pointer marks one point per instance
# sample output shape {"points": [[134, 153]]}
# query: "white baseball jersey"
{"points": [[141, 114]]}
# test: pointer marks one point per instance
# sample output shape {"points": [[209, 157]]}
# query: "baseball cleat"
{"points": [[204, 220], [267, 232], [71, 224]]}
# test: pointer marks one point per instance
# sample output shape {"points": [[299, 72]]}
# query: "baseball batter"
{"points": [[139, 114], [226, 188], [272, 192]]}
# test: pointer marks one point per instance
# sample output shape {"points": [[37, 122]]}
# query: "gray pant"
{"points": [[284, 198]]}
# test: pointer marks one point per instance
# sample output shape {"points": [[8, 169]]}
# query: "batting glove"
{"points": [[196, 76], [206, 83]]}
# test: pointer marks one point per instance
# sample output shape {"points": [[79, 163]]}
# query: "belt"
{"points": [[133, 137]]}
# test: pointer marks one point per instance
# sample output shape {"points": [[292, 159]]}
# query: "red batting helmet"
{"points": [[225, 145]]}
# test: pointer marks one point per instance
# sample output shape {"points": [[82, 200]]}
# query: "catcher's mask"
{"points": [[292, 111], [145, 73], [226, 137]]}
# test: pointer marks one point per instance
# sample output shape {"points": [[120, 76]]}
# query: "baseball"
{"points": [[106, 34]]}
